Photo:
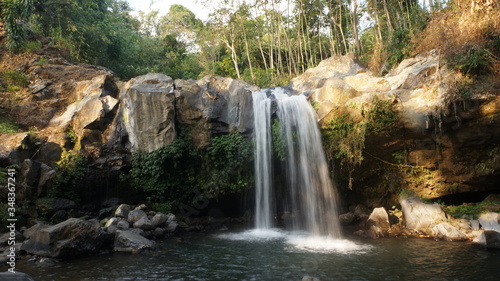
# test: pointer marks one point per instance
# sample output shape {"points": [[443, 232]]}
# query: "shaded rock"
{"points": [[158, 232], [143, 207], [488, 239], [135, 215], [129, 241], [420, 216], [123, 225], [69, 239], [16, 236], [28, 233], [448, 232], [347, 218], [17, 276], [123, 210], [171, 226], [64, 204], [143, 223], [106, 212], [159, 220], [492, 198], [60, 215], [111, 202], [490, 221]]}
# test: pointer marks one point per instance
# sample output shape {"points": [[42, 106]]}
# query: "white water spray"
{"points": [[310, 197]]}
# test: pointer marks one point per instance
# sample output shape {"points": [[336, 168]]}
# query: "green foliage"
{"points": [[163, 208], [473, 61], [344, 139], [4, 215], [14, 13], [400, 47], [31, 46], [228, 164], [381, 117], [70, 171], [279, 146], [7, 125], [71, 137], [14, 80], [470, 211]]}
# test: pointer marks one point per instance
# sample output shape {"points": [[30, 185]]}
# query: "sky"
{"points": [[163, 6]]}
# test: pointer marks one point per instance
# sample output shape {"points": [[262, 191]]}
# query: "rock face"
{"points": [[378, 223], [129, 241], [69, 239], [421, 216]]}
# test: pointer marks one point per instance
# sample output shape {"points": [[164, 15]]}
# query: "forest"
{"points": [[264, 42]]}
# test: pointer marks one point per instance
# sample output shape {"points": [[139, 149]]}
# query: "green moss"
{"points": [[470, 211]]}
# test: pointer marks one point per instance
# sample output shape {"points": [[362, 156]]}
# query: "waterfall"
{"points": [[309, 196]]}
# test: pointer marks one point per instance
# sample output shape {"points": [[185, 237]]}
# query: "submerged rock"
{"points": [[130, 241]]}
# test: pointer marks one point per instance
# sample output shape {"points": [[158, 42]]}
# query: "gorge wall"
{"points": [[444, 140]]}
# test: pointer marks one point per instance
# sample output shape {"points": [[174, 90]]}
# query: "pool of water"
{"points": [[279, 255]]}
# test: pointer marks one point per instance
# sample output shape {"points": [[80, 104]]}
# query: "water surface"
{"points": [[279, 255]]}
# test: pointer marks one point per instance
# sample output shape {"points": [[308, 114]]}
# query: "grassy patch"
{"points": [[470, 211]]}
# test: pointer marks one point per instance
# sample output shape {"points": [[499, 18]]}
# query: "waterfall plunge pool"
{"points": [[281, 255]]}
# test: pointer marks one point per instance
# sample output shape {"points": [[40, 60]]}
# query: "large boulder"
{"points": [[378, 223], [135, 215], [130, 241], [15, 276], [147, 113], [69, 239], [213, 106], [420, 216], [490, 221], [448, 232], [488, 239]]}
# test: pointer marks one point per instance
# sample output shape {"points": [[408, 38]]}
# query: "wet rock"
{"points": [[488, 239], [69, 239], [159, 232], [123, 210], [490, 221], [17, 276], [420, 216], [129, 241], [347, 218], [492, 198], [448, 232], [46, 262]]}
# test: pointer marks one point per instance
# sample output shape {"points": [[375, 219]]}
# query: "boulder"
{"points": [[123, 210], [28, 233], [159, 220], [147, 113], [17, 276], [16, 236], [144, 223], [69, 239], [492, 198], [490, 221], [129, 241], [378, 223], [488, 239], [112, 221], [347, 218], [420, 216], [135, 215], [448, 232], [123, 225]]}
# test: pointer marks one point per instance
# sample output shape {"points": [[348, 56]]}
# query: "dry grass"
{"points": [[465, 33]]}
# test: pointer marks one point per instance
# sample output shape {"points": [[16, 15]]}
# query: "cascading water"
{"points": [[310, 197]]}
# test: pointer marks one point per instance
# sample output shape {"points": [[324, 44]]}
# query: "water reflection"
{"points": [[218, 257]]}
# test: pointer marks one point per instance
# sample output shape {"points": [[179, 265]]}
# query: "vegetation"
{"points": [[469, 211], [179, 174], [13, 80], [262, 42], [71, 169]]}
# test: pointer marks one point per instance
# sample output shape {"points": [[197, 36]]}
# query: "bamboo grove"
{"points": [[265, 42]]}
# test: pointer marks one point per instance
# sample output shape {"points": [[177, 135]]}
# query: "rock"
{"points": [[111, 202], [147, 112], [448, 232], [123, 210], [47, 262], [474, 224], [378, 223], [17, 276], [28, 233], [420, 216], [16, 236], [59, 216], [123, 225], [159, 220], [488, 239], [143, 207], [69, 239], [490, 221], [158, 232], [143, 223], [309, 278], [105, 212], [135, 215], [492, 198], [112, 221], [347, 218], [171, 226], [129, 241]]}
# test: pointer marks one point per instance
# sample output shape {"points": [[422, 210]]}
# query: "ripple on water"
{"points": [[255, 235]]}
